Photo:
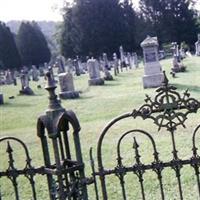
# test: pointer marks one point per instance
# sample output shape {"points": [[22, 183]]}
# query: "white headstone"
{"points": [[153, 76], [94, 72], [67, 86]]}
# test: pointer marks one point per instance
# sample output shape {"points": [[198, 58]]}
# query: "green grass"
{"points": [[96, 107]]}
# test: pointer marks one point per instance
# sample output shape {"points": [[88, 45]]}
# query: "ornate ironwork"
{"points": [[172, 108], [66, 176], [13, 173], [168, 110], [68, 173]]}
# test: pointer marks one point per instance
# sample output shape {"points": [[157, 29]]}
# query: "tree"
{"points": [[9, 55], [32, 44], [92, 27], [172, 20], [129, 20]]}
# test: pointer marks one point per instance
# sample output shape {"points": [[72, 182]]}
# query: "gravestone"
{"points": [[135, 58], [177, 65], [116, 64], [107, 74], [1, 99], [60, 64], [35, 73], [153, 76], [25, 90], [94, 72], [41, 71], [197, 46], [67, 86], [122, 58], [69, 65], [76, 66], [8, 77], [129, 60]]}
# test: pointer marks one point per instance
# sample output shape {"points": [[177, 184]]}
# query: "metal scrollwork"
{"points": [[172, 109]]}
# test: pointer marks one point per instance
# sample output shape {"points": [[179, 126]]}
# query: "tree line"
{"points": [[91, 27], [27, 47]]}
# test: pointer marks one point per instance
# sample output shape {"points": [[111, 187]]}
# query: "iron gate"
{"points": [[66, 177]]}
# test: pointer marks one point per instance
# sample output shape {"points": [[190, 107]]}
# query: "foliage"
{"points": [[9, 55], [32, 44], [173, 21], [95, 26]]}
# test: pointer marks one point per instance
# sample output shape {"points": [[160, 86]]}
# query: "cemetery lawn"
{"points": [[96, 107]]}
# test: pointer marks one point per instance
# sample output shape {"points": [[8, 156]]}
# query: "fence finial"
{"points": [[54, 103], [165, 80]]}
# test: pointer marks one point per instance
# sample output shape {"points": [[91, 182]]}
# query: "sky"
{"points": [[35, 9]]}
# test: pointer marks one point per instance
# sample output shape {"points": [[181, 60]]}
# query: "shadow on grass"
{"points": [[189, 87], [13, 104], [78, 99], [111, 83]]}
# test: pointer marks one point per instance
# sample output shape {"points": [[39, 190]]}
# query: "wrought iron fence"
{"points": [[167, 110], [66, 178]]}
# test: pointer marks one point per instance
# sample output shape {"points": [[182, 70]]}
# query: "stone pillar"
{"points": [[67, 86], [153, 76], [94, 72], [108, 76], [122, 58], [1, 99], [129, 60]]}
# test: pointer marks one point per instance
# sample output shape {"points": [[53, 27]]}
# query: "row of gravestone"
{"points": [[92, 66], [153, 75]]}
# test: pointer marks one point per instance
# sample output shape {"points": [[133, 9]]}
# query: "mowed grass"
{"points": [[96, 107]]}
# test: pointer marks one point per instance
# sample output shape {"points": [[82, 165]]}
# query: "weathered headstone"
{"points": [[76, 66], [116, 64], [94, 72], [177, 65], [41, 71], [129, 60], [197, 46], [153, 76], [67, 86], [1, 99], [122, 58], [8, 77], [25, 90], [35, 73], [60, 64], [69, 65], [135, 58], [107, 74]]}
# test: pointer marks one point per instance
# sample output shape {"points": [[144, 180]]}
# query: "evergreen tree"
{"points": [[92, 27], [9, 55], [171, 20], [32, 44], [129, 20]]}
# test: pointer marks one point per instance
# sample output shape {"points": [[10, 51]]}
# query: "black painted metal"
{"points": [[168, 110], [66, 175]]}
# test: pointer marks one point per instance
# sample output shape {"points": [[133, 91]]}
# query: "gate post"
{"points": [[69, 182]]}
